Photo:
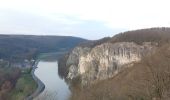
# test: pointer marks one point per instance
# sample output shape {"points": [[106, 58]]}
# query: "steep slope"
{"points": [[105, 59], [146, 80]]}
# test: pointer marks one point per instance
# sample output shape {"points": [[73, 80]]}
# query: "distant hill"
{"points": [[19, 47]]}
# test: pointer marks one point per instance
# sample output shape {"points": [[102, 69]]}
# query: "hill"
{"points": [[20, 47], [133, 65], [159, 35]]}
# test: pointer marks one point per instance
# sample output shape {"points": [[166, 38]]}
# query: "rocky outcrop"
{"points": [[105, 60]]}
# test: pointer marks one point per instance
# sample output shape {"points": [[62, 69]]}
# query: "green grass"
{"points": [[49, 56], [24, 87]]}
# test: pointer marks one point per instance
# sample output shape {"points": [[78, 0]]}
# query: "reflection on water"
{"points": [[55, 87]]}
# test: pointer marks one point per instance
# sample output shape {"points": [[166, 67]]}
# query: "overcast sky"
{"points": [[90, 19]]}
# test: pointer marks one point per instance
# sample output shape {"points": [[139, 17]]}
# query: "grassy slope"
{"points": [[24, 87]]}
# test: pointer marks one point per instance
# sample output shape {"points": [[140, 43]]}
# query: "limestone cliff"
{"points": [[105, 60], [102, 59]]}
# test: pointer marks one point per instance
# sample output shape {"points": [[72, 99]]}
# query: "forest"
{"points": [[20, 47]]}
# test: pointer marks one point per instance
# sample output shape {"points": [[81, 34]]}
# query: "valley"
{"points": [[131, 65], [18, 55], [84, 50]]}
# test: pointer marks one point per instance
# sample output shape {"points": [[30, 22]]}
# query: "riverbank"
{"points": [[51, 57], [40, 84], [55, 87], [25, 85]]}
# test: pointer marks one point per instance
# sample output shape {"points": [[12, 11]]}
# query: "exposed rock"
{"points": [[105, 60]]}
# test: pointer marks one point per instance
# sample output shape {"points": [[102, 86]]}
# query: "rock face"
{"points": [[105, 60]]}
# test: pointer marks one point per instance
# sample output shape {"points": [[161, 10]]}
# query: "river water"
{"points": [[55, 87]]}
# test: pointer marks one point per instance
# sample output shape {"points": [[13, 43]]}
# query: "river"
{"points": [[55, 87]]}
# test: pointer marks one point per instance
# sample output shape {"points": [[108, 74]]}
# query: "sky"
{"points": [[90, 19]]}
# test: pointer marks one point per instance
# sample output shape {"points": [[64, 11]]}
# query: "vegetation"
{"points": [[159, 35], [8, 79], [15, 83], [93, 43], [20, 47], [50, 56], [62, 67], [146, 80], [24, 87]]}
